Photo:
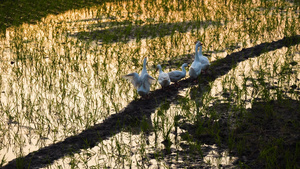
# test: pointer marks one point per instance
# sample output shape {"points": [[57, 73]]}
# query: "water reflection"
{"points": [[131, 114]]}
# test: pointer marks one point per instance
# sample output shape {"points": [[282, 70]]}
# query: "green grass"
{"points": [[61, 74]]}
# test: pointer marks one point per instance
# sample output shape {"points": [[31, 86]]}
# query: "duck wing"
{"points": [[134, 78], [146, 81], [195, 69], [197, 66], [175, 75], [204, 60], [149, 79]]}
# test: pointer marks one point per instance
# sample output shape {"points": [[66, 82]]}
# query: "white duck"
{"points": [[196, 66], [141, 83], [176, 75], [202, 58], [163, 78]]}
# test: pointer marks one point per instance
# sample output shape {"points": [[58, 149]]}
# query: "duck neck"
{"points": [[196, 49], [160, 71], [183, 69], [144, 66], [196, 52], [159, 68], [200, 51]]}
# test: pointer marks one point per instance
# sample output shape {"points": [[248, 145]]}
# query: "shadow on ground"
{"points": [[127, 30], [14, 13], [265, 136], [138, 110]]}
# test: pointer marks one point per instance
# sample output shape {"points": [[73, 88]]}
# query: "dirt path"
{"points": [[137, 110]]}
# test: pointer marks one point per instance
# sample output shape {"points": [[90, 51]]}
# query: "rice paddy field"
{"points": [[64, 103]]}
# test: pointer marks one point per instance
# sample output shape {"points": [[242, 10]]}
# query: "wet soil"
{"points": [[138, 111], [268, 133]]}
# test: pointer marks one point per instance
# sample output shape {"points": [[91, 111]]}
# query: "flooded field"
{"points": [[64, 103]]}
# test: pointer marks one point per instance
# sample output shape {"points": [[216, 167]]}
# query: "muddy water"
{"points": [[63, 75]]}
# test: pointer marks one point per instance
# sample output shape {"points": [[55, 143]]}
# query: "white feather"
{"points": [[163, 78], [141, 83], [204, 60], [176, 75], [196, 66]]}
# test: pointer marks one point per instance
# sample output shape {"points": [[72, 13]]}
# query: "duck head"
{"points": [[199, 42]]}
